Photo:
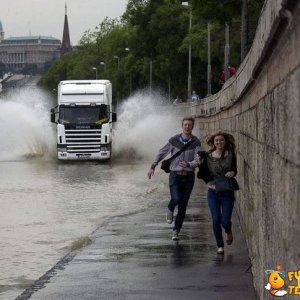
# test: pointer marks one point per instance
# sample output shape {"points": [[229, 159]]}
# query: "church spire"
{"points": [[65, 44]]}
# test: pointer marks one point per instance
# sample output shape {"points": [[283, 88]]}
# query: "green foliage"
{"points": [[157, 31]]}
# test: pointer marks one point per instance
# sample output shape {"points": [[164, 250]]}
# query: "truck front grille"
{"points": [[83, 140]]}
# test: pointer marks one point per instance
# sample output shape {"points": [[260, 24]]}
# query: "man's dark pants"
{"points": [[181, 187]]}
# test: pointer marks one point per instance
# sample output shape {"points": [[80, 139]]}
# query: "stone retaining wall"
{"points": [[260, 106]]}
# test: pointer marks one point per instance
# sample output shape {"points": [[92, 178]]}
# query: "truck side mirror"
{"points": [[114, 117], [52, 117]]}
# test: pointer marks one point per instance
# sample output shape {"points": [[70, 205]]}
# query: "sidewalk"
{"points": [[133, 257]]}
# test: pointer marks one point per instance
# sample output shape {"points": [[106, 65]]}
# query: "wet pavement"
{"points": [[133, 257]]}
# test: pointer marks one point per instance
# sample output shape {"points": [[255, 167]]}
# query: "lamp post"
{"points": [[226, 52], [190, 50], [208, 61], [169, 86], [150, 75], [102, 63], [118, 58], [130, 78], [244, 29], [96, 71], [118, 93]]}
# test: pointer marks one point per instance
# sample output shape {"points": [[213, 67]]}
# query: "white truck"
{"points": [[84, 120]]}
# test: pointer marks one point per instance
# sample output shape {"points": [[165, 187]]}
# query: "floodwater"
{"points": [[48, 208]]}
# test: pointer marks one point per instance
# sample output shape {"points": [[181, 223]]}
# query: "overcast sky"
{"points": [[46, 17]]}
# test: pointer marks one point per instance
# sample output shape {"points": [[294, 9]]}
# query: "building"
{"points": [[32, 53], [17, 53]]}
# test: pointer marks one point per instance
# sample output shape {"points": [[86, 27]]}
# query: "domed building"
{"points": [[18, 53], [27, 53]]}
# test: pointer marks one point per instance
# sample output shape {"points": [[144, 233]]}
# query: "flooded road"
{"points": [[48, 208]]}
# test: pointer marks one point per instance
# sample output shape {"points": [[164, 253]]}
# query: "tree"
{"points": [[157, 34]]}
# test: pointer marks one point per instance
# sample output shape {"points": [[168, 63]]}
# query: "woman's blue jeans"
{"points": [[221, 206], [180, 189]]}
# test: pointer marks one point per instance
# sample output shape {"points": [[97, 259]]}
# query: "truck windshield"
{"points": [[83, 114]]}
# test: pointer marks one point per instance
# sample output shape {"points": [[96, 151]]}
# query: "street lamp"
{"points": [[96, 71], [226, 53], [150, 75], [118, 58], [130, 87], [208, 61], [102, 63], [118, 93], [190, 50]]}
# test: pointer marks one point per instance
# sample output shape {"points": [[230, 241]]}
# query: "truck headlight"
{"points": [[62, 149], [105, 148]]}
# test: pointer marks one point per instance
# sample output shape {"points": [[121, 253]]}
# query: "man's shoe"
{"points": [[169, 217], [220, 250], [175, 236], [229, 238]]}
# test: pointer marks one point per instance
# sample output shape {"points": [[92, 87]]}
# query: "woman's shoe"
{"points": [[220, 250], [229, 238]]}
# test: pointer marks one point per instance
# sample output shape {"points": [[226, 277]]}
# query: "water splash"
{"points": [[26, 131], [145, 123]]}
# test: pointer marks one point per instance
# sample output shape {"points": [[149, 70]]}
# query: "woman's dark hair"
{"points": [[229, 141]]}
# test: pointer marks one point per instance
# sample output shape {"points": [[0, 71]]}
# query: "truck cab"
{"points": [[84, 120]]}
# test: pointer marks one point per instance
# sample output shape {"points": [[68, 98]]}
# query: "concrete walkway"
{"points": [[133, 257]]}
